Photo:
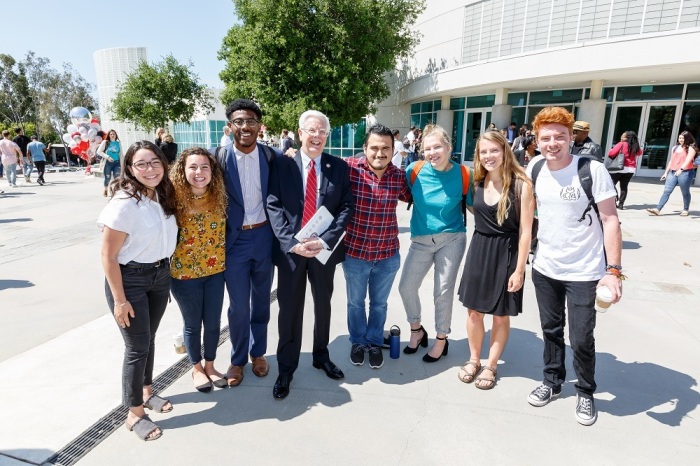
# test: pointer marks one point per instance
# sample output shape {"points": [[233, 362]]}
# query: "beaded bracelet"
{"points": [[616, 267], [616, 273]]}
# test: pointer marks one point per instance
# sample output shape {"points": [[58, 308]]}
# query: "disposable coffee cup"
{"points": [[179, 343], [603, 299]]}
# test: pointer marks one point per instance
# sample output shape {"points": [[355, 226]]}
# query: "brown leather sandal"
{"points": [[490, 381], [467, 376]]}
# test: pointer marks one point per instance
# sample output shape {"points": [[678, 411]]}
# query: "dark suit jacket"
{"points": [[285, 206], [236, 210]]}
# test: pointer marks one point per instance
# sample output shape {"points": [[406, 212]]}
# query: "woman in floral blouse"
{"points": [[197, 266]]}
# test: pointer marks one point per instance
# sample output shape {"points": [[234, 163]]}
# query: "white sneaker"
{"points": [[586, 413]]}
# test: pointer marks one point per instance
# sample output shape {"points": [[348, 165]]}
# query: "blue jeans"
{"points": [[27, 168], [111, 170], [201, 301], [148, 291], [377, 276], [555, 298], [684, 181], [11, 174]]}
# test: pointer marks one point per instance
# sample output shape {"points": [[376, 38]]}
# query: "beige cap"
{"points": [[582, 126]]}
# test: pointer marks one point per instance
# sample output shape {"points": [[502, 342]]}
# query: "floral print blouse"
{"points": [[201, 247]]}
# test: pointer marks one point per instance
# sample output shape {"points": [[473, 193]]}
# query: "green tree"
{"points": [[16, 104], [154, 94], [329, 55]]}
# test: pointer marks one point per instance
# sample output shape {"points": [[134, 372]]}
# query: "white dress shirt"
{"points": [[249, 176]]}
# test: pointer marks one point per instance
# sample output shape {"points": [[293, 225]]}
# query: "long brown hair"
{"points": [[128, 183], [217, 198], [509, 171]]}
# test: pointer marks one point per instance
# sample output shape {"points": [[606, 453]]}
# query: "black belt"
{"points": [[255, 225], [139, 265]]}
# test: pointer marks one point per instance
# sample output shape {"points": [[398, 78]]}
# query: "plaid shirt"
{"points": [[373, 233]]}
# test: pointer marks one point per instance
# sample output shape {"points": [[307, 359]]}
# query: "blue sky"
{"points": [[71, 32]]}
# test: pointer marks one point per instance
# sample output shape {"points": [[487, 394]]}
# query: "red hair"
{"points": [[553, 115]]}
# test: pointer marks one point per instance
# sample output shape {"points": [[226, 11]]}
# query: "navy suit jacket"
{"points": [[236, 210], [285, 206]]}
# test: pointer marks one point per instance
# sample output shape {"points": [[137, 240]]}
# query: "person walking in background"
{"points": [[372, 242], [38, 151], [249, 239], [111, 150], [628, 145], [399, 157], [679, 172], [287, 142], [438, 238], [583, 145], [197, 266], [299, 186], [11, 156], [22, 142], [528, 152], [169, 148], [494, 271], [570, 258], [511, 132], [160, 132], [226, 138], [139, 233]]}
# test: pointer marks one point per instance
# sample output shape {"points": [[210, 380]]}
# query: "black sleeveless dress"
{"points": [[491, 260]]}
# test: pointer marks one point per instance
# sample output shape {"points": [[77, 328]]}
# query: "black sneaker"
{"points": [[585, 410], [376, 358], [543, 395], [357, 354]]}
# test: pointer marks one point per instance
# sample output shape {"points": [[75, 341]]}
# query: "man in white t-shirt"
{"points": [[399, 152], [570, 260]]}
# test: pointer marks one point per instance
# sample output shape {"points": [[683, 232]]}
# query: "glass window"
{"points": [[457, 134], [635, 93], [693, 92], [518, 116], [481, 101], [555, 97], [517, 99], [415, 108], [457, 103], [690, 120], [426, 107]]}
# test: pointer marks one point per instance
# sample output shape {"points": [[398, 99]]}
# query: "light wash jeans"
{"points": [[377, 276], [27, 169], [11, 174], [445, 251], [672, 181]]}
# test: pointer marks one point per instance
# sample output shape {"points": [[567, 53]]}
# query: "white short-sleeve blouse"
{"points": [[151, 236]]}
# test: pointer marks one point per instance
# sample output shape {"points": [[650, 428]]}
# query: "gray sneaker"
{"points": [[543, 395], [586, 413], [376, 358], [357, 354]]}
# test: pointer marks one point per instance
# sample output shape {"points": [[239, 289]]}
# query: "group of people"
{"points": [[220, 223], [24, 152]]}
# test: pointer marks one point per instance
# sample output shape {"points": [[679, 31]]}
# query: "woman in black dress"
{"points": [[492, 282]]}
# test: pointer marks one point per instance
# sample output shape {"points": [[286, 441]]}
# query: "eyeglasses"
{"points": [[142, 165], [239, 122], [315, 132]]}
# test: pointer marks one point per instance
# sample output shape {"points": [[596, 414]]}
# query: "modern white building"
{"points": [[618, 64], [112, 66]]}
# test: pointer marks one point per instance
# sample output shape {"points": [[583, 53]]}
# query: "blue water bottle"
{"points": [[394, 342]]}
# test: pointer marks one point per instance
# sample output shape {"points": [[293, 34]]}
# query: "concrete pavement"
{"points": [[60, 364]]}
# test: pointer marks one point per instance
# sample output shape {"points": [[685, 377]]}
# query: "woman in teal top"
{"points": [[111, 150], [438, 238]]}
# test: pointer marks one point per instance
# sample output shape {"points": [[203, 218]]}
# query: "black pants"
{"points": [[624, 179], [291, 291], [40, 167], [553, 298], [148, 291]]}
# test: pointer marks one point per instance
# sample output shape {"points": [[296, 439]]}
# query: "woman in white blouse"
{"points": [[139, 234]]}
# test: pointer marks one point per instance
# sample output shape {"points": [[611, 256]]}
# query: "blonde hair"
{"points": [[439, 131], [509, 171], [217, 198]]}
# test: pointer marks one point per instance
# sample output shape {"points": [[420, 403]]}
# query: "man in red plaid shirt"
{"points": [[371, 243]]}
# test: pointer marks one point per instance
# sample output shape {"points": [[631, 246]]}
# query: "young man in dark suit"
{"points": [[249, 239], [298, 187]]}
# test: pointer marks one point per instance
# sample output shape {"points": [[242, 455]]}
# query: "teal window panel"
{"points": [[481, 101], [651, 92]]}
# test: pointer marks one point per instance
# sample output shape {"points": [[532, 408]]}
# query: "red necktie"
{"points": [[310, 195]]}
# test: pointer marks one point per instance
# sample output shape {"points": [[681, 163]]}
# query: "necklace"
{"points": [[199, 197]]}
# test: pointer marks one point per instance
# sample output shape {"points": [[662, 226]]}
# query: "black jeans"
{"points": [[148, 291], [40, 167], [553, 298]]}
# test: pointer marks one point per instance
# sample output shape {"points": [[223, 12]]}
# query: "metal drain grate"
{"points": [[96, 433]]}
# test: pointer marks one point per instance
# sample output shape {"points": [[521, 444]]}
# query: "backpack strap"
{"points": [[465, 179], [536, 168], [586, 180], [417, 167]]}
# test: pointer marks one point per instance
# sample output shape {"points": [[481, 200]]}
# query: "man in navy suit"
{"points": [[298, 186], [249, 239]]}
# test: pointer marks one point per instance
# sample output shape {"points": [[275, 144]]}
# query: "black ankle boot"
{"points": [[429, 358]]}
